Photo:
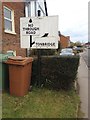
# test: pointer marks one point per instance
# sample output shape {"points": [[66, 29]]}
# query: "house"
{"points": [[87, 44], [64, 40], [11, 13], [32, 7]]}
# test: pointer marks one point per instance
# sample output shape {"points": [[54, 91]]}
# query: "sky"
{"points": [[73, 18]]}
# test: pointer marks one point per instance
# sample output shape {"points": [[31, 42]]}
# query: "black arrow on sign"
{"points": [[45, 35]]}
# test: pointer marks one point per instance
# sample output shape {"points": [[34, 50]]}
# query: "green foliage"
{"points": [[56, 72], [44, 52], [72, 44], [78, 43], [48, 52]]}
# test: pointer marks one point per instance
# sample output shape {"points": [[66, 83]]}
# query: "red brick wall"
{"points": [[64, 40], [0, 27], [12, 41]]}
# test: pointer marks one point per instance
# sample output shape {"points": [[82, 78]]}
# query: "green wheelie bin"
{"points": [[4, 73]]}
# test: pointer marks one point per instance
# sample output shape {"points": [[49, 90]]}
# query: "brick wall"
{"points": [[12, 41], [64, 40], [0, 27]]}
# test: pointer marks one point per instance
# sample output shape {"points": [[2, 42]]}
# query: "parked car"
{"points": [[88, 47], [67, 52], [78, 49]]}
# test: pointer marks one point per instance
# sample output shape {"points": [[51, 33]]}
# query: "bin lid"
{"points": [[3, 57], [19, 60]]}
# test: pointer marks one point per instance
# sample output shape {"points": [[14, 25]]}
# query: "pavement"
{"points": [[83, 86]]}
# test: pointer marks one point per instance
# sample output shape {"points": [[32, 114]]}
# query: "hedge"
{"points": [[56, 72], [43, 52]]}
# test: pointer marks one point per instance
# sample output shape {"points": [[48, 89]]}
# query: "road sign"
{"points": [[45, 43], [29, 26], [46, 34]]}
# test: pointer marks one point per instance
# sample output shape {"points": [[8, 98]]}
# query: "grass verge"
{"points": [[41, 103], [0, 105]]}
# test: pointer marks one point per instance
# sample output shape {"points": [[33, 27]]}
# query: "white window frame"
{"points": [[41, 9], [34, 6], [11, 20]]}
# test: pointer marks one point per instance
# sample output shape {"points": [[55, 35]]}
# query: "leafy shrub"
{"points": [[56, 71], [44, 52]]}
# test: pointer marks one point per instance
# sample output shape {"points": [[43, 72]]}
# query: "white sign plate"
{"points": [[29, 26], [46, 33], [45, 43]]}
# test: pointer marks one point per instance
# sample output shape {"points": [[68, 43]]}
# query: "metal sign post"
{"points": [[39, 59], [45, 35]]}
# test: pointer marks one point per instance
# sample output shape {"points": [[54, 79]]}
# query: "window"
{"points": [[9, 20], [32, 8]]}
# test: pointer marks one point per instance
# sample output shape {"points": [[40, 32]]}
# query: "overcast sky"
{"points": [[73, 17]]}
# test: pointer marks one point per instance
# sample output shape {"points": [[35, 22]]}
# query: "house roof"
{"points": [[88, 43], [29, 0]]}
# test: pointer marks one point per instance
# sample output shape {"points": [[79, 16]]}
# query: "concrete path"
{"points": [[83, 84]]}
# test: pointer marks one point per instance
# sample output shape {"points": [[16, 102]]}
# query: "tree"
{"points": [[71, 44], [78, 43]]}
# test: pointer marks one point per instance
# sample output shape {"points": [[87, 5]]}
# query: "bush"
{"points": [[43, 52], [56, 71]]}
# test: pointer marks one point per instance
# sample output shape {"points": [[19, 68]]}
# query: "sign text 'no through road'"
{"points": [[29, 27]]}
